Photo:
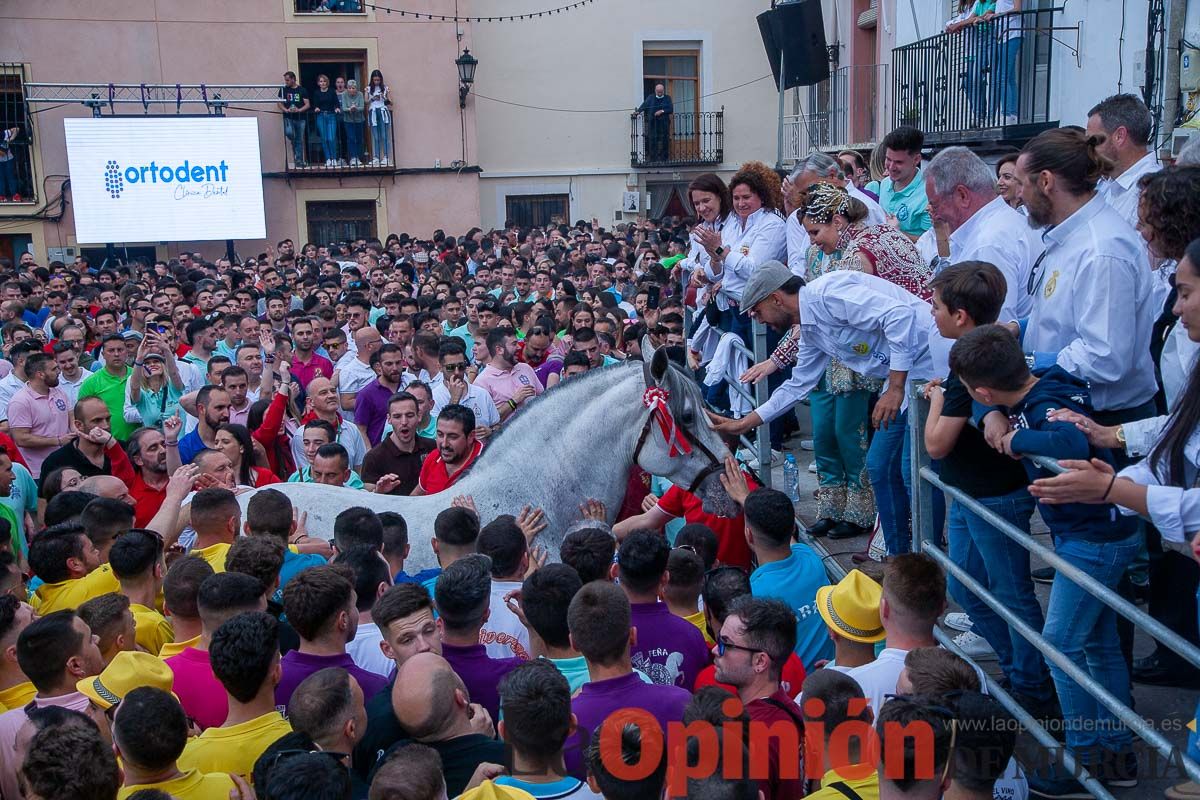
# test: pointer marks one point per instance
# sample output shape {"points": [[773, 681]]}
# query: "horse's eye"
{"points": [[688, 417]]}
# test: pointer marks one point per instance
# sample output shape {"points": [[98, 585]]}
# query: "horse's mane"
{"points": [[580, 383]]}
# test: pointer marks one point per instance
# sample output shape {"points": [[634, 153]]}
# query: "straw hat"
{"points": [[128, 671], [851, 608]]}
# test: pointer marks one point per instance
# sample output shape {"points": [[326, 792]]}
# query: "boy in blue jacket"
{"points": [[1094, 538]]}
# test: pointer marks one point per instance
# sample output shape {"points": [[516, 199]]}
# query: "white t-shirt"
{"points": [[503, 635], [365, 650], [348, 437], [879, 677]]}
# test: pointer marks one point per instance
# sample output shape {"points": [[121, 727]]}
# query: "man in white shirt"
{"points": [[1126, 125], [817, 167], [455, 389], [14, 381], [962, 193], [353, 373], [1091, 288], [504, 543], [914, 596], [875, 328], [70, 374]]}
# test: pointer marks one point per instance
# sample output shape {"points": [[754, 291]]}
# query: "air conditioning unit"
{"points": [[63, 254]]}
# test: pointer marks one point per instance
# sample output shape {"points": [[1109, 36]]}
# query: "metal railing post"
{"points": [[922, 492], [762, 436]]}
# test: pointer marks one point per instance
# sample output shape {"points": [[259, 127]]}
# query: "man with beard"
{"points": [[148, 453], [457, 449], [872, 326], [306, 363], [202, 333], [38, 415], [1092, 305], [456, 389], [322, 403], [402, 453], [277, 308], [536, 354], [510, 382], [371, 401], [212, 409]]}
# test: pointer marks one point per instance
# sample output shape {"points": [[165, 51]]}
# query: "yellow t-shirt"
{"points": [[214, 554], [152, 630], [175, 648], [191, 785], [71, 594], [235, 748], [698, 620], [867, 788], [17, 696]]}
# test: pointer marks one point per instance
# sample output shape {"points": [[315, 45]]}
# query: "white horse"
{"points": [[575, 442]]}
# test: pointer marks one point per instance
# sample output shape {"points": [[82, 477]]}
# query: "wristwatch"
{"points": [[720, 251], [1121, 435]]}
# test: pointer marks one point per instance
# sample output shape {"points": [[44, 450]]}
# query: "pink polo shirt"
{"points": [[10, 724], [502, 385], [200, 693], [45, 415], [315, 367]]}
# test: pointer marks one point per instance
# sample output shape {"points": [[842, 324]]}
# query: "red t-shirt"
{"points": [[790, 681], [149, 500], [731, 532], [434, 477]]}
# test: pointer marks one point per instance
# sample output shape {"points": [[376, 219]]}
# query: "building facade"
{"points": [[989, 87], [563, 145], [429, 181]]}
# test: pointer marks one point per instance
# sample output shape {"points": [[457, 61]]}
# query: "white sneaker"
{"points": [[384, 162], [813, 468], [975, 646], [374, 162], [958, 621], [806, 444], [1010, 119], [354, 162], [776, 459]]}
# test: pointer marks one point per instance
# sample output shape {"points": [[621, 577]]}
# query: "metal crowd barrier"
{"points": [[924, 481], [761, 444]]}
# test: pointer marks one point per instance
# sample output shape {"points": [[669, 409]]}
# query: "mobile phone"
{"points": [[652, 295]]}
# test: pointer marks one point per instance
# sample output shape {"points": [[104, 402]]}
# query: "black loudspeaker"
{"points": [[797, 30]]}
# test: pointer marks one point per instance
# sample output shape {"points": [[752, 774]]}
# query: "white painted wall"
{"points": [[591, 59]]}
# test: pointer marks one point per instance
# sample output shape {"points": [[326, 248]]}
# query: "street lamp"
{"points": [[466, 64]]}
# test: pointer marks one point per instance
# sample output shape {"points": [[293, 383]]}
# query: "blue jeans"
{"points": [[381, 137], [354, 139], [1002, 566], [8, 177], [889, 463], [327, 128], [1005, 93], [1193, 740], [295, 128], [1085, 630]]}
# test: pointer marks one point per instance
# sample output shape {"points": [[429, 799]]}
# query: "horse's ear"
{"points": [[657, 367]]}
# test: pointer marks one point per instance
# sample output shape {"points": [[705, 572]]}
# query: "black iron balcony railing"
{"points": [[17, 182], [326, 144], [324, 6], [977, 81], [684, 139]]}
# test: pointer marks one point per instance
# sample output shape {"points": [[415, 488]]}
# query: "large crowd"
{"points": [[163, 637]]}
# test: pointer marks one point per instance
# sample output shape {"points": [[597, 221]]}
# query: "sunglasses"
{"points": [[455, 367], [723, 645]]}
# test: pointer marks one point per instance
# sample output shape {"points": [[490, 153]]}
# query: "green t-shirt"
{"points": [[909, 205], [21, 498], [112, 391]]}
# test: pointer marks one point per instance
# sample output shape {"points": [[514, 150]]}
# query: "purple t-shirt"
{"points": [[597, 699], [297, 666], [371, 408], [669, 649], [480, 672], [552, 365]]}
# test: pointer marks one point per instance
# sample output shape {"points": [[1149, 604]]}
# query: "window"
{"points": [[16, 180], [529, 210], [323, 6], [340, 220], [679, 72]]}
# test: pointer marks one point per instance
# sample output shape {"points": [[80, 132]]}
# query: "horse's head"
{"points": [[676, 440]]}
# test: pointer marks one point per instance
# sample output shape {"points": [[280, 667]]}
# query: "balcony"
{"points": [[18, 184], [843, 112], [328, 6], [985, 83], [312, 160], [689, 139]]}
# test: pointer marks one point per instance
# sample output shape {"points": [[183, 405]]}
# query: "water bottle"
{"points": [[791, 478]]}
